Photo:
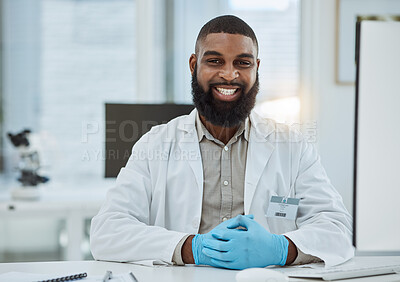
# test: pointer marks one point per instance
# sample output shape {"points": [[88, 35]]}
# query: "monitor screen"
{"points": [[126, 123], [377, 139]]}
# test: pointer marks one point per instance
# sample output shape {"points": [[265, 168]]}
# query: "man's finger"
{"points": [[222, 264], [224, 234], [218, 245], [241, 221], [226, 223], [217, 255]]}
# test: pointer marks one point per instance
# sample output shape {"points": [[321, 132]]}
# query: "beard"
{"points": [[223, 113]]}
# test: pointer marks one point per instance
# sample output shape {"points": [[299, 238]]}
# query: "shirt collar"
{"points": [[202, 131]]}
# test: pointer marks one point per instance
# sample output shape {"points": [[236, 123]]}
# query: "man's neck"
{"points": [[223, 134]]}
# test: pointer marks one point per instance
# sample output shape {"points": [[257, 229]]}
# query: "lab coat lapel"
{"points": [[190, 148], [258, 153]]}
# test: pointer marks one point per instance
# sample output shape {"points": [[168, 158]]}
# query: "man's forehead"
{"points": [[226, 42]]}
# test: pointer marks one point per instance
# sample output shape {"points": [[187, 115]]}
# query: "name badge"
{"points": [[283, 208]]}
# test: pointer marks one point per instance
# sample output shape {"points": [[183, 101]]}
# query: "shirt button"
{"points": [[226, 182], [224, 219], [195, 223], [226, 148]]}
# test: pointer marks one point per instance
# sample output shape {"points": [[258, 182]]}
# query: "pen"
{"points": [[107, 276], [133, 277]]}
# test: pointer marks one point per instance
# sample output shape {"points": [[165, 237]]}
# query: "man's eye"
{"points": [[244, 63], [214, 61]]}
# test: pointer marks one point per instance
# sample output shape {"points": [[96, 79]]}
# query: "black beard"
{"points": [[222, 113]]}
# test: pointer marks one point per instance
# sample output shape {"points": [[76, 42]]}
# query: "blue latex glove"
{"points": [[240, 248], [199, 239]]}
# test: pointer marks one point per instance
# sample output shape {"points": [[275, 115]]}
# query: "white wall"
{"points": [[323, 100]]}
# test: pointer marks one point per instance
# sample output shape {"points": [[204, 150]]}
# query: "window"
{"points": [[63, 59], [79, 55]]}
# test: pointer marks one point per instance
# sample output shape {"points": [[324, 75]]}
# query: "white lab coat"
{"points": [[158, 195]]}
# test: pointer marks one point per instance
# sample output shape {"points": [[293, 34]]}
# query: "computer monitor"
{"points": [[377, 139], [126, 123]]}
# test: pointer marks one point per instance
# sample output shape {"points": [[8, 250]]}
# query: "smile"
{"points": [[227, 91], [227, 94]]}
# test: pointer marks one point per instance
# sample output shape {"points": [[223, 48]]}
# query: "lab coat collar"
{"points": [[189, 146], [258, 154], [262, 127], [189, 122]]}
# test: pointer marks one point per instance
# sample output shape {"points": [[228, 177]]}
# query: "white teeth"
{"points": [[226, 91]]}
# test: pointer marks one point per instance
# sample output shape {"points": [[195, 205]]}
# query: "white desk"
{"points": [[60, 201], [150, 274]]}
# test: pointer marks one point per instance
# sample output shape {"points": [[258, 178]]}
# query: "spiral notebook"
{"points": [[24, 277]]}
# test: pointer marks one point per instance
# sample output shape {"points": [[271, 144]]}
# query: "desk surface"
{"points": [[147, 274]]}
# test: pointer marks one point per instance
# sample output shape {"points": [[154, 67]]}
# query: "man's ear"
{"points": [[192, 63], [258, 63]]}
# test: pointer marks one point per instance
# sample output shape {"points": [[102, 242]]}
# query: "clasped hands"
{"points": [[240, 243]]}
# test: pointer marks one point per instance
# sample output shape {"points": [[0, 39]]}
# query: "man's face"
{"points": [[225, 78]]}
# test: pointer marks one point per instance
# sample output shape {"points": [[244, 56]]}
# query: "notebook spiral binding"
{"points": [[67, 278]]}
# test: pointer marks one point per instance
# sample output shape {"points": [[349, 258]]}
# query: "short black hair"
{"points": [[226, 24]]}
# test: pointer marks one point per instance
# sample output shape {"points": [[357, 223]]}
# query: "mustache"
{"points": [[227, 84]]}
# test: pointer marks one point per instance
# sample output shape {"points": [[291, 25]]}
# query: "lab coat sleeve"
{"points": [[122, 230], [324, 225]]}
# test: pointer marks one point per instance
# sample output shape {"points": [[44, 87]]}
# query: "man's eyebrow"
{"points": [[212, 53], [246, 55], [216, 53]]}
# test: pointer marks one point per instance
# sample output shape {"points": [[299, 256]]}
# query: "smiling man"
{"points": [[222, 186], [224, 78]]}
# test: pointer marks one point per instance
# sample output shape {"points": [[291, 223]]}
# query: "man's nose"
{"points": [[229, 73]]}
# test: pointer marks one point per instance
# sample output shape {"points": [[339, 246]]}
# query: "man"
{"points": [[200, 188]]}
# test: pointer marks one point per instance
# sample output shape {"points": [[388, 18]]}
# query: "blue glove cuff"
{"points": [[195, 248], [284, 246]]}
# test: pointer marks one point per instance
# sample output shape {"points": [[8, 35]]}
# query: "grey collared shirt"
{"points": [[224, 169]]}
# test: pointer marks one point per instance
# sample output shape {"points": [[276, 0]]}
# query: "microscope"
{"points": [[28, 166]]}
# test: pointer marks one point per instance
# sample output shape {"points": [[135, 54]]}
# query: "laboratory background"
{"points": [[63, 61]]}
